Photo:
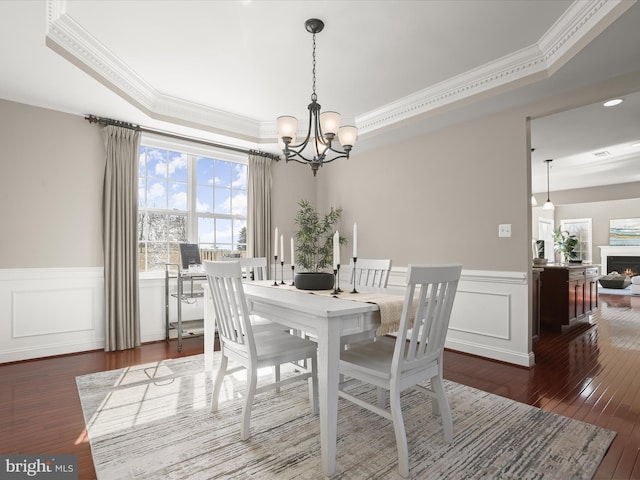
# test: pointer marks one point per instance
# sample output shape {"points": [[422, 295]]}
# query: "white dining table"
{"points": [[326, 317]]}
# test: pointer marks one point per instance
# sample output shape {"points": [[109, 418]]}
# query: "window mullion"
{"points": [[192, 215]]}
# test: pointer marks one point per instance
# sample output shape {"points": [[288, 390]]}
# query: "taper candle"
{"points": [[355, 240], [335, 251], [275, 245], [282, 248], [293, 261]]}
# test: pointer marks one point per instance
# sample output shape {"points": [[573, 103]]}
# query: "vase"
{"points": [[314, 280]]}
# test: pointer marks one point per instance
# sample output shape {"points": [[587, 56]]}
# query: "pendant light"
{"points": [[548, 205]]}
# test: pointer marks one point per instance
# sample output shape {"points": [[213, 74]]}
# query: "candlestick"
{"points": [[353, 274], [275, 270], [338, 279], [293, 283], [335, 281], [282, 272]]}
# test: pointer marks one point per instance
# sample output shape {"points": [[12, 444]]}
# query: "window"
{"points": [[581, 228], [188, 194]]}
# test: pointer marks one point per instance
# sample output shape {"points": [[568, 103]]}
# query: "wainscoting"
{"points": [[490, 316], [57, 311]]}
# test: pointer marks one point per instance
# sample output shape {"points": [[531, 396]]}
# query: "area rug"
{"points": [[153, 422], [615, 291]]}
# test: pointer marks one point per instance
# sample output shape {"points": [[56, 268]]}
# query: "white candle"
{"points": [[293, 261], [355, 240], [282, 248], [275, 245], [335, 251], [338, 247]]}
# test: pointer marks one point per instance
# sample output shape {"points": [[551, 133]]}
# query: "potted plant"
{"points": [[565, 243], [538, 253], [314, 247]]}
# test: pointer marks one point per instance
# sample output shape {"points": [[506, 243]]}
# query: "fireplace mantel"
{"points": [[616, 251]]}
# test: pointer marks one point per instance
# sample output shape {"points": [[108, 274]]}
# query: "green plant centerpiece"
{"points": [[314, 246], [565, 243]]}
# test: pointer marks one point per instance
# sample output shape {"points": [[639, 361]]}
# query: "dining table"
{"points": [[326, 316]]}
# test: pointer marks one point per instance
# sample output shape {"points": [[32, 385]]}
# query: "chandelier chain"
{"points": [[314, 97]]}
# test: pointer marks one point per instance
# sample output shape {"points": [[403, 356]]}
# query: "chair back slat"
{"points": [[371, 272], [430, 292], [254, 268], [230, 305]]}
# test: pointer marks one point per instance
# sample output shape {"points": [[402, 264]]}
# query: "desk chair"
{"points": [[404, 362], [250, 349]]}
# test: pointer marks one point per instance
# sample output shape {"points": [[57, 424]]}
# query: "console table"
{"points": [[568, 294]]}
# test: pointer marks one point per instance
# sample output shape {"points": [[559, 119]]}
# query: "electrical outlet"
{"points": [[504, 230]]}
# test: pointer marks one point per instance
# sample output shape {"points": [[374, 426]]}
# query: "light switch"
{"points": [[504, 230]]}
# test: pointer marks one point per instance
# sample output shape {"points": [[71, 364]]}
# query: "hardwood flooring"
{"points": [[591, 373]]}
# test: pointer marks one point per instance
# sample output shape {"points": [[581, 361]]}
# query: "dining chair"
{"points": [[254, 268], [370, 272], [413, 357], [250, 349]]}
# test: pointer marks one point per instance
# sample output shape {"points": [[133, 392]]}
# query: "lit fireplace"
{"points": [[624, 259], [629, 265]]}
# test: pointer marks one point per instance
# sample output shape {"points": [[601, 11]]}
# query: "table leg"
{"points": [[328, 377]]}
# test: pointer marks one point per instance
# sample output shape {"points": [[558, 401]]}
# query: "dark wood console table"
{"points": [[568, 294]]}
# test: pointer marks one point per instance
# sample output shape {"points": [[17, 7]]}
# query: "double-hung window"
{"points": [[189, 194]]}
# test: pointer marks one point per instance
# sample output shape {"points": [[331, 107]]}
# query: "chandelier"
{"points": [[322, 130]]}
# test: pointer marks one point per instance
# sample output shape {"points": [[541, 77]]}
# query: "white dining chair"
{"points": [[413, 357], [370, 272], [250, 349], [254, 268]]}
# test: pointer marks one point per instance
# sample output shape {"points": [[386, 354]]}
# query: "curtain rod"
{"points": [[119, 123]]}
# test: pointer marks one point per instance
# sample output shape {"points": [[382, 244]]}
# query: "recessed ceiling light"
{"points": [[637, 144], [613, 102]]}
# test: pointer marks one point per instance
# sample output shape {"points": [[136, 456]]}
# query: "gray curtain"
{"points": [[259, 208], [120, 240]]}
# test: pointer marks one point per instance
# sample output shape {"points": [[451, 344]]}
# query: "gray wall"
{"points": [[52, 168]]}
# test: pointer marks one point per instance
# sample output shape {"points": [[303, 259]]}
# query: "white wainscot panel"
{"points": [[50, 311], [44, 312], [482, 313]]}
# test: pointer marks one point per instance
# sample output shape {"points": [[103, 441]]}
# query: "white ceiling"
{"points": [[224, 70]]}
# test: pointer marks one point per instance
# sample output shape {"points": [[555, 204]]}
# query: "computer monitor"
{"points": [[190, 255]]}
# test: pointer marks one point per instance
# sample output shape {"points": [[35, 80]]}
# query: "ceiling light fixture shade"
{"points": [[613, 102], [534, 202], [548, 205], [322, 130]]}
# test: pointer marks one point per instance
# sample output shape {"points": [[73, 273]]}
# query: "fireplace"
{"points": [[621, 259], [626, 265]]}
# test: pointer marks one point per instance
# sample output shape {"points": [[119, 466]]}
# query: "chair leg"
{"points": [[276, 377], [443, 407], [382, 394], [252, 379], [398, 427], [217, 385], [313, 386]]}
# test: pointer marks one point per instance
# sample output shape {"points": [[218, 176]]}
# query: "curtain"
{"points": [[120, 240], [259, 208]]}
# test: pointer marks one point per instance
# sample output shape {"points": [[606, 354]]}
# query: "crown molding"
{"points": [[68, 38], [581, 22]]}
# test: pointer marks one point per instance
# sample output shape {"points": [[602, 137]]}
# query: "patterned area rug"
{"points": [[153, 421]]}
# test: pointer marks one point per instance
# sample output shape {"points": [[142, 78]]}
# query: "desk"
{"points": [[326, 317]]}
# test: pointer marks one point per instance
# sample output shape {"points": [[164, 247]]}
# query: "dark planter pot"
{"points": [[314, 280]]}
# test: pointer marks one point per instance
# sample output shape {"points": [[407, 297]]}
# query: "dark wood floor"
{"points": [[591, 373]]}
